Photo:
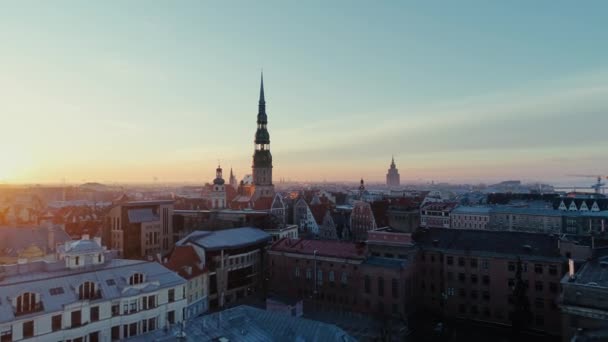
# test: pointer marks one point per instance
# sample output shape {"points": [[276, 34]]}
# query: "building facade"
{"points": [[436, 214], [463, 217], [235, 262], [470, 274], [185, 261], [87, 295], [140, 229]]}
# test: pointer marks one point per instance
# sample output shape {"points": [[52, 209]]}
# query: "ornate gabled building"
{"points": [[392, 177]]}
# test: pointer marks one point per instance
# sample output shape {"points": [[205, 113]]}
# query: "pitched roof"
{"points": [[142, 215], [183, 257]]}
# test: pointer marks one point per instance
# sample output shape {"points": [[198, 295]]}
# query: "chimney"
{"points": [[85, 236], [571, 269]]}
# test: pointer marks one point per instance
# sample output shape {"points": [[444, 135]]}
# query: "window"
{"points": [[26, 303], [538, 268], [450, 260], [319, 277], [76, 318], [344, 279], [56, 291], [474, 278], [132, 329], [538, 286], [308, 274], [461, 277], [367, 284], [6, 334], [87, 290], [553, 287], [395, 288], [462, 293], [95, 314], [297, 272], [171, 295], [115, 309], [331, 277], [116, 332], [511, 282], [152, 324], [511, 266], [450, 276], [380, 286], [473, 294], [136, 278], [110, 282], [171, 317], [473, 263], [56, 322], [77, 261], [28, 329], [552, 270], [486, 280], [461, 261], [486, 296]]}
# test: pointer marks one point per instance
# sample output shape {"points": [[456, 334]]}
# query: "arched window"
{"points": [[136, 278], [88, 290], [27, 303]]}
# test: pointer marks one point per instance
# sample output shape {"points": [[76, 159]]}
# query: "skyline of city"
{"points": [[342, 97]]}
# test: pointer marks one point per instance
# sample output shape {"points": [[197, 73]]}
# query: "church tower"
{"points": [[218, 195], [392, 177], [262, 159], [232, 180]]}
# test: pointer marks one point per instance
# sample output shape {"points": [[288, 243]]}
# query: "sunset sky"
{"points": [[125, 91]]}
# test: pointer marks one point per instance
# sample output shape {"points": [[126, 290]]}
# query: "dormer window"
{"points": [[27, 302], [136, 278], [88, 290]]}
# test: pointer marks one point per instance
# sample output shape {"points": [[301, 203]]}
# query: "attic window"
{"points": [[56, 291]]}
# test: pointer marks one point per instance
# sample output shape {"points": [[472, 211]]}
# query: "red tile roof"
{"points": [[182, 257], [328, 248]]}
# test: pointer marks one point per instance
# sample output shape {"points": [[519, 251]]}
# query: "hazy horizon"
{"points": [[461, 92]]}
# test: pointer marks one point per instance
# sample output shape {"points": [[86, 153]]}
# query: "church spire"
{"points": [[262, 100]]}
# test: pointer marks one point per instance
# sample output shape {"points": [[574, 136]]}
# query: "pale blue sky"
{"points": [[456, 90]]}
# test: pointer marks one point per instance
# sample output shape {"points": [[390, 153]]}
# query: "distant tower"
{"points": [[262, 159], [218, 195], [233, 181], [392, 177], [361, 189]]}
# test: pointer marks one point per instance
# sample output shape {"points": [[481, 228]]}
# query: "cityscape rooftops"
{"points": [[439, 206], [227, 238], [476, 210], [328, 248]]}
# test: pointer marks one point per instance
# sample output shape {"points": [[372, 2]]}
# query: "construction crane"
{"points": [[598, 185]]}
